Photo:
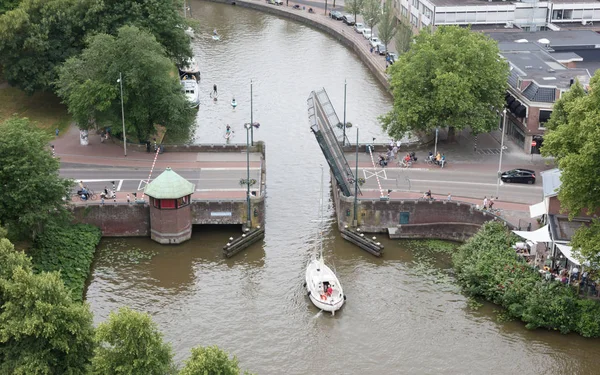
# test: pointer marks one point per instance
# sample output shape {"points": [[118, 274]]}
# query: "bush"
{"points": [[487, 266], [69, 249]]}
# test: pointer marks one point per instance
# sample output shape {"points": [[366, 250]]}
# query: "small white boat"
{"points": [[323, 287], [216, 37], [192, 92]]}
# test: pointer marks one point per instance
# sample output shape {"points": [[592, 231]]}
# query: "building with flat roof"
{"points": [[527, 15]]}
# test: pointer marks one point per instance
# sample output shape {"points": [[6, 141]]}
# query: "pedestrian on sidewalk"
{"points": [[485, 203], [449, 197], [371, 49], [57, 131], [491, 202], [128, 199]]}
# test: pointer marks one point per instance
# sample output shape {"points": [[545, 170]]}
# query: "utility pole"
{"points": [[251, 116], [344, 139], [501, 150], [356, 183], [120, 80], [249, 219]]}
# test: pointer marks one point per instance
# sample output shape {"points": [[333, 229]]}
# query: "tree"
{"points": [[41, 330], [371, 13], [161, 18], [354, 7], [130, 343], [573, 138], [151, 90], [404, 37], [451, 78], [387, 25], [7, 5], [210, 360], [37, 37], [31, 190]]}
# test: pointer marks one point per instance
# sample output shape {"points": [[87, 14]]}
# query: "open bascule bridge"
{"points": [[363, 207]]}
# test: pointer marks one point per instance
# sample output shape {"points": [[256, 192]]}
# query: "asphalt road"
{"points": [[133, 179], [456, 182]]}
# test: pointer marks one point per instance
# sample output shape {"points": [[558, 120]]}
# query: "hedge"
{"points": [[69, 249], [487, 266]]}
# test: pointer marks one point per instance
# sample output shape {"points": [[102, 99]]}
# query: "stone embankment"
{"points": [[337, 29]]}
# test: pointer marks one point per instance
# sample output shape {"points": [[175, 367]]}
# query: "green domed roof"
{"points": [[169, 185]]}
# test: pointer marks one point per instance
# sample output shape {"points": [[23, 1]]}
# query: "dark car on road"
{"points": [[524, 176], [337, 15], [348, 20]]}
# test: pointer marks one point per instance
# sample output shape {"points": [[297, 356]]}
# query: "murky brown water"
{"points": [[398, 318]]}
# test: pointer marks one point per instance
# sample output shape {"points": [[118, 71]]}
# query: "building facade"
{"points": [[528, 15]]}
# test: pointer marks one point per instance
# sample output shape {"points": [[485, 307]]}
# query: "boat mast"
{"points": [[321, 217]]}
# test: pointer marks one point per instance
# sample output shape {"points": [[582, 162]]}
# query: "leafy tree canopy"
{"points": [[39, 35], [573, 139], [151, 90], [7, 5], [371, 12], [450, 78], [129, 343], [210, 360], [354, 7], [32, 191], [387, 26], [403, 37], [41, 330]]}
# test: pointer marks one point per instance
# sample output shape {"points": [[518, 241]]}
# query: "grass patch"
{"points": [[69, 249], [44, 109]]}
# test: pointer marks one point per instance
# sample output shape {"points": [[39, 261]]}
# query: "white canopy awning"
{"points": [[540, 235], [537, 210], [568, 253]]}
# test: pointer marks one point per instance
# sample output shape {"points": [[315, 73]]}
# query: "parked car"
{"points": [[337, 15], [349, 19], [359, 27], [279, 2], [393, 57], [381, 49], [524, 176], [366, 33], [374, 41]]}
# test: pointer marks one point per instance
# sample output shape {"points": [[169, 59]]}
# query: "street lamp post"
{"points": [[344, 139], [251, 116], [120, 80], [501, 150], [436, 138], [356, 183], [248, 128]]}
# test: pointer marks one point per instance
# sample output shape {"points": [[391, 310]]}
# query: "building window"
{"points": [[184, 201], [557, 14], [516, 133], [404, 11], [167, 203], [415, 3], [156, 203], [414, 20]]}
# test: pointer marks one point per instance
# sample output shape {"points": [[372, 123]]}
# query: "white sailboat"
{"points": [[323, 287]]}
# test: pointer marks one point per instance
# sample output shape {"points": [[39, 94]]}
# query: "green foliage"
{"points": [[404, 37], [39, 35], [151, 90], [41, 330], [450, 78], [69, 249], [354, 6], [371, 13], [586, 241], [574, 140], [387, 26], [31, 190], [486, 266], [6, 5], [210, 360], [129, 343], [432, 246]]}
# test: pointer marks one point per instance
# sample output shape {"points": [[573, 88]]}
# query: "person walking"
{"points": [[485, 203], [128, 199], [449, 197], [491, 202]]}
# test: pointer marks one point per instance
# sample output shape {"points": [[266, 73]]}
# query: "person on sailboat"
{"points": [[215, 32], [329, 291]]}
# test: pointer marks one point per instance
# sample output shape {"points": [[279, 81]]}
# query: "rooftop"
{"points": [[169, 185], [454, 3], [559, 40], [563, 229], [551, 182]]}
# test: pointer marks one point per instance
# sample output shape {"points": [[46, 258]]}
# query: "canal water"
{"points": [[403, 313]]}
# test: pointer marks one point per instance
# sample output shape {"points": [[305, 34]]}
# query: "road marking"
{"points": [[120, 184], [208, 190], [228, 169], [474, 183]]}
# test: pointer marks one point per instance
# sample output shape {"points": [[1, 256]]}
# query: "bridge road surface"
{"points": [[458, 182]]}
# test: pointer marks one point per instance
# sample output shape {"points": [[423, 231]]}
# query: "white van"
{"points": [[366, 33], [359, 27]]}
